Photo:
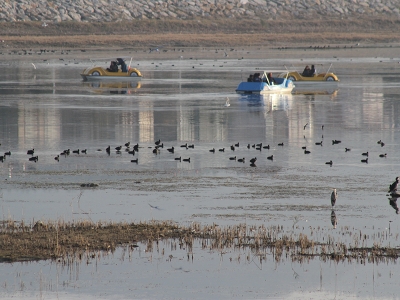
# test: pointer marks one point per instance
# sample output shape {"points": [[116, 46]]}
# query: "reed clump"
{"points": [[84, 239]]}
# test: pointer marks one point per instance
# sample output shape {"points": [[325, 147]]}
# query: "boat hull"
{"points": [[99, 73], [283, 86], [319, 78], [109, 78]]}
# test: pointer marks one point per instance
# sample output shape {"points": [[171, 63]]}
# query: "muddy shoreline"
{"points": [[198, 33]]}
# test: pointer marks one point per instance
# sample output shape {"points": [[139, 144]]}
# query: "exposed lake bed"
{"points": [[181, 100]]}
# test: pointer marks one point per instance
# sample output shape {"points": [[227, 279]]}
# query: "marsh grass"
{"points": [[67, 241]]}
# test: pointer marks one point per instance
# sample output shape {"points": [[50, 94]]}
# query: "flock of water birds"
{"points": [[158, 145]]}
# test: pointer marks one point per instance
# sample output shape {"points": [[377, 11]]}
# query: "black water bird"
{"points": [[253, 146], [305, 126], [108, 149], [131, 152], [270, 157], [232, 158], [184, 146], [65, 152], [212, 150], [382, 155], [118, 148], [8, 153], [322, 127], [34, 158], [259, 145], [75, 151], [191, 146], [364, 160], [57, 158], [304, 147], [382, 144], [318, 143], [127, 144], [221, 150], [136, 147], [171, 150], [178, 158], [30, 152], [237, 145], [160, 146], [186, 159], [253, 160], [307, 152], [2, 158], [280, 144], [84, 151], [334, 197], [241, 160], [365, 153], [134, 161], [334, 142], [266, 147], [248, 146], [347, 149], [232, 148], [380, 141], [158, 142], [329, 163]]}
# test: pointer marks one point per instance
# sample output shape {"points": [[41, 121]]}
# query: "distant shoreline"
{"points": [[198, 33]]}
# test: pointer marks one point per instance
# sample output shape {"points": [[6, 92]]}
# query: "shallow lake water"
{"points": [[47, 107]]}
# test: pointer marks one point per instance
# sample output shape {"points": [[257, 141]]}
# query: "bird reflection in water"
{"points": [[333, 219], [393, 203]]}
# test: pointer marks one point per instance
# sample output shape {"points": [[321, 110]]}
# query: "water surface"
{"points": [[182, 101]]}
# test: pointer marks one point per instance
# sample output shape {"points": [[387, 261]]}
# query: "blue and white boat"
{"points": [[264, 84]]}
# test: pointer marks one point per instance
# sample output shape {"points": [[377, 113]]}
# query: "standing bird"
{"points": [[227, 104], [394, 185], [333, 197]]}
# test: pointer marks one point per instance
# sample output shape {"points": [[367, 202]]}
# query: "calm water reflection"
{"points": [[50, 109]]}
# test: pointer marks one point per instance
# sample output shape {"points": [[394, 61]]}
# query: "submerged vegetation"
{"points": [[63, 241]]}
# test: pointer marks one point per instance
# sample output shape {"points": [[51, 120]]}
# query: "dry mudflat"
{"points": [[199, 33]]}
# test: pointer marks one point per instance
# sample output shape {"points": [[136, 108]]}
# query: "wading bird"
{"points": [[333, 197]]}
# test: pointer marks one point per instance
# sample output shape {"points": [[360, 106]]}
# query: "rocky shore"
{"points": [[115, 10]]}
